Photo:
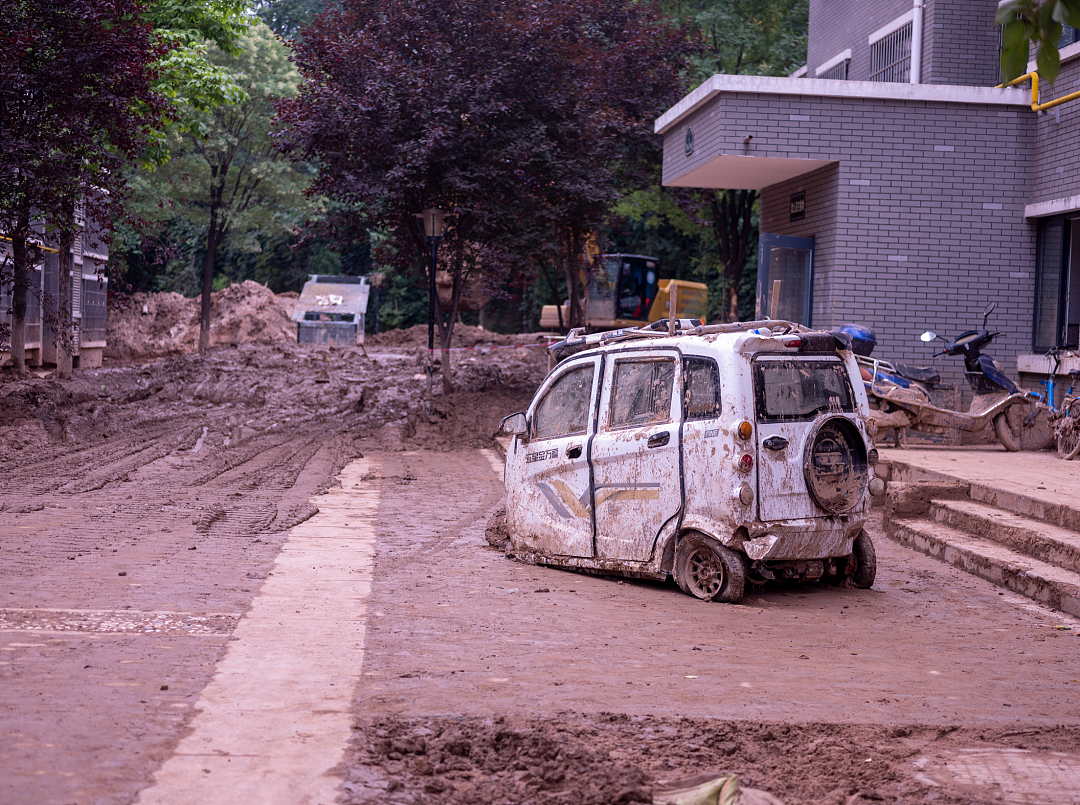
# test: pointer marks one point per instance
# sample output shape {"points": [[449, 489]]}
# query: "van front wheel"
{"points": [[707, 570]]}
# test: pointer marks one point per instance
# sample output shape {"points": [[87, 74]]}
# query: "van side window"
{"points": [[642, 392], [701, 393], [564, 410]]}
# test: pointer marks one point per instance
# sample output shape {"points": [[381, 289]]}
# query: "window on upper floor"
{"points": [[835, 68], [1069, 36], [838, 72], [890, 56]]}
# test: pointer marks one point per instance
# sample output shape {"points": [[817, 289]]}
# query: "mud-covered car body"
{"points": [[755, 439]]}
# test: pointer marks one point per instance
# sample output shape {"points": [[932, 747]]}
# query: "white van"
{"points": [[718, 455]]}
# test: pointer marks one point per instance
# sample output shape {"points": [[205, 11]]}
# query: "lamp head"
{"points": [[432, 220]]}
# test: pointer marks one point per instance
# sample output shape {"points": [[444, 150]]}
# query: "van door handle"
{"points": [[775, 443], [573, 451], [659, 439]]}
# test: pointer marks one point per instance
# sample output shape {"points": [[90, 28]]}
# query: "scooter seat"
{"points": [[920, 374]]}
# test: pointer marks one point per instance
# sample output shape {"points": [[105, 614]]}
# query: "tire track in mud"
{"points": [[63, 470]]}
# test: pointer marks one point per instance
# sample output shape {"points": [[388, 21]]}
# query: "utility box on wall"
{"points": [[331, 310]]}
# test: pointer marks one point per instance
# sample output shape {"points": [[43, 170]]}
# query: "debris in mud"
{"points": [[497, 532]]}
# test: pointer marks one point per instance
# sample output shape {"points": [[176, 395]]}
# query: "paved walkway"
{"points": [[273, 723], [1039, 475]]}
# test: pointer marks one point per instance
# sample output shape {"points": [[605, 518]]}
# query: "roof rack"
{"points": [[578, 339]]}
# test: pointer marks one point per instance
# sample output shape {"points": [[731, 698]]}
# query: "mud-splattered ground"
{"points": [[614, 758], [142, 505]]}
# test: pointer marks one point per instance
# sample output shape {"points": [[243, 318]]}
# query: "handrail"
{"points": [[1033, 77]]}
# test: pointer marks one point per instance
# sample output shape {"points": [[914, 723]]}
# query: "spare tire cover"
{"points": [[835, 465]]}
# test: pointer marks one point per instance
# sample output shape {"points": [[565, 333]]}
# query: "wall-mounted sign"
{"points": [[798, 206], [688, 145]]}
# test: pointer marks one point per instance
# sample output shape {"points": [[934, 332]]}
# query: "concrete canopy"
{"points": [[746, 173]]}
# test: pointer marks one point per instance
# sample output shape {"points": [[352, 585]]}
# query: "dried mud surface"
{"points": [[612, 758]]}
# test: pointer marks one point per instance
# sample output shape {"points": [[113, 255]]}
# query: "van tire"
{"points": [[707, 570], [865, 562]]}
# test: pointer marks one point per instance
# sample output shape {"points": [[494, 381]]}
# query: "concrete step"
{"points": [[1060, 513], [1034, 538], [1041, 581]]}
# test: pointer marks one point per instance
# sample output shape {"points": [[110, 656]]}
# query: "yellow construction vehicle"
{"points": [[625, 290]]}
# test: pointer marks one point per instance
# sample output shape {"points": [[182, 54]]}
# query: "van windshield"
{"points": [[798, 389]]}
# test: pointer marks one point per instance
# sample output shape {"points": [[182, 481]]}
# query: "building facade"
{"points": [[899, 188], [87, 300]]}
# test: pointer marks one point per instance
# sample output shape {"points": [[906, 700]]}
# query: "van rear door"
{"points": [[792, 395]]}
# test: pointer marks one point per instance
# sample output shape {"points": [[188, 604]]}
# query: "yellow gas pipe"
{"points": [[1035, 105]]}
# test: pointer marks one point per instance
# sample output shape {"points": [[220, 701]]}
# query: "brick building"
{"points": [[88, 301], [903, 193]]}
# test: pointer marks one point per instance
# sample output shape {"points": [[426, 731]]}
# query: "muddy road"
{"points": [[143, 507]]}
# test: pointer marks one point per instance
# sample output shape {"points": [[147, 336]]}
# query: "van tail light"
{"points": [[746, 463], [745, 430], [793, 343]]}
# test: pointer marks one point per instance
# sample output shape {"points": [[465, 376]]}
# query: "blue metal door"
{"points": [[785, 277]]}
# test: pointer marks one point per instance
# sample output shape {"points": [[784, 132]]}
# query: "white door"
{"points": [[791, 394], [551, 510], [635, 454]]}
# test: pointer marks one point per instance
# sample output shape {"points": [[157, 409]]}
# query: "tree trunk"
{"points": [[732, 212], [20, 283], [64, 345], [573, 273], [447, 332], [208, 278]]}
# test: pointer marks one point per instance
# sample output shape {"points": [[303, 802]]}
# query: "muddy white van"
{"points": [[719, 455]]}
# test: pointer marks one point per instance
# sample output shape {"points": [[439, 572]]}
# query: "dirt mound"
{"points": [[464, 336], [242, 313]]}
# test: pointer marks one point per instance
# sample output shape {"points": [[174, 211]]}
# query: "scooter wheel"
{"points": [[1004, 433], [1025, 427]]}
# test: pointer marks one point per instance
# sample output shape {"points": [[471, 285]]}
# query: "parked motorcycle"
{"points": [[900, 395]]}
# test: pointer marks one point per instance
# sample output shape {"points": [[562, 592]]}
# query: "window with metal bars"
{"points": [[890, 57], [838, 72], [95, 299]]}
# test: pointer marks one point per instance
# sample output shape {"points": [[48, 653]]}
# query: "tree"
{"points": [[517, 118], [288, 18], [755, 37], [225, 174], [1037, 22], [76, 101]]}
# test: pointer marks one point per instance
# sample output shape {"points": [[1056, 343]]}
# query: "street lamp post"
{"points": [[432, 221]]}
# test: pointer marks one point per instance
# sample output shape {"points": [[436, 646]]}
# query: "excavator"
{"points": [[625, 290]]}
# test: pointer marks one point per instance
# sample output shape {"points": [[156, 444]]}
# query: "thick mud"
{"points": [[612, 758]]}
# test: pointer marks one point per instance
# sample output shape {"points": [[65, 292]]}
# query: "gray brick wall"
{"points": [[919, 223], [1057, 139], [960, 42]]}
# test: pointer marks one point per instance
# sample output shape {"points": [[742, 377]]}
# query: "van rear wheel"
{"points": [[707, 570]]}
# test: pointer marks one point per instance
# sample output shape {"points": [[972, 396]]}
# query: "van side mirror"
{"points": [[514, 425], [928, 336]]}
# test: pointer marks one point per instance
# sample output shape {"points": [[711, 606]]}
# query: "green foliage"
{"points": [[288, 18], [184, 31], [1038, 22], [225, 170], [747, 37]]}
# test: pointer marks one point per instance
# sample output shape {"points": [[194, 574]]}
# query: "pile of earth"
{"points": [[463, 336], [159, 324], [237, 392]]}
